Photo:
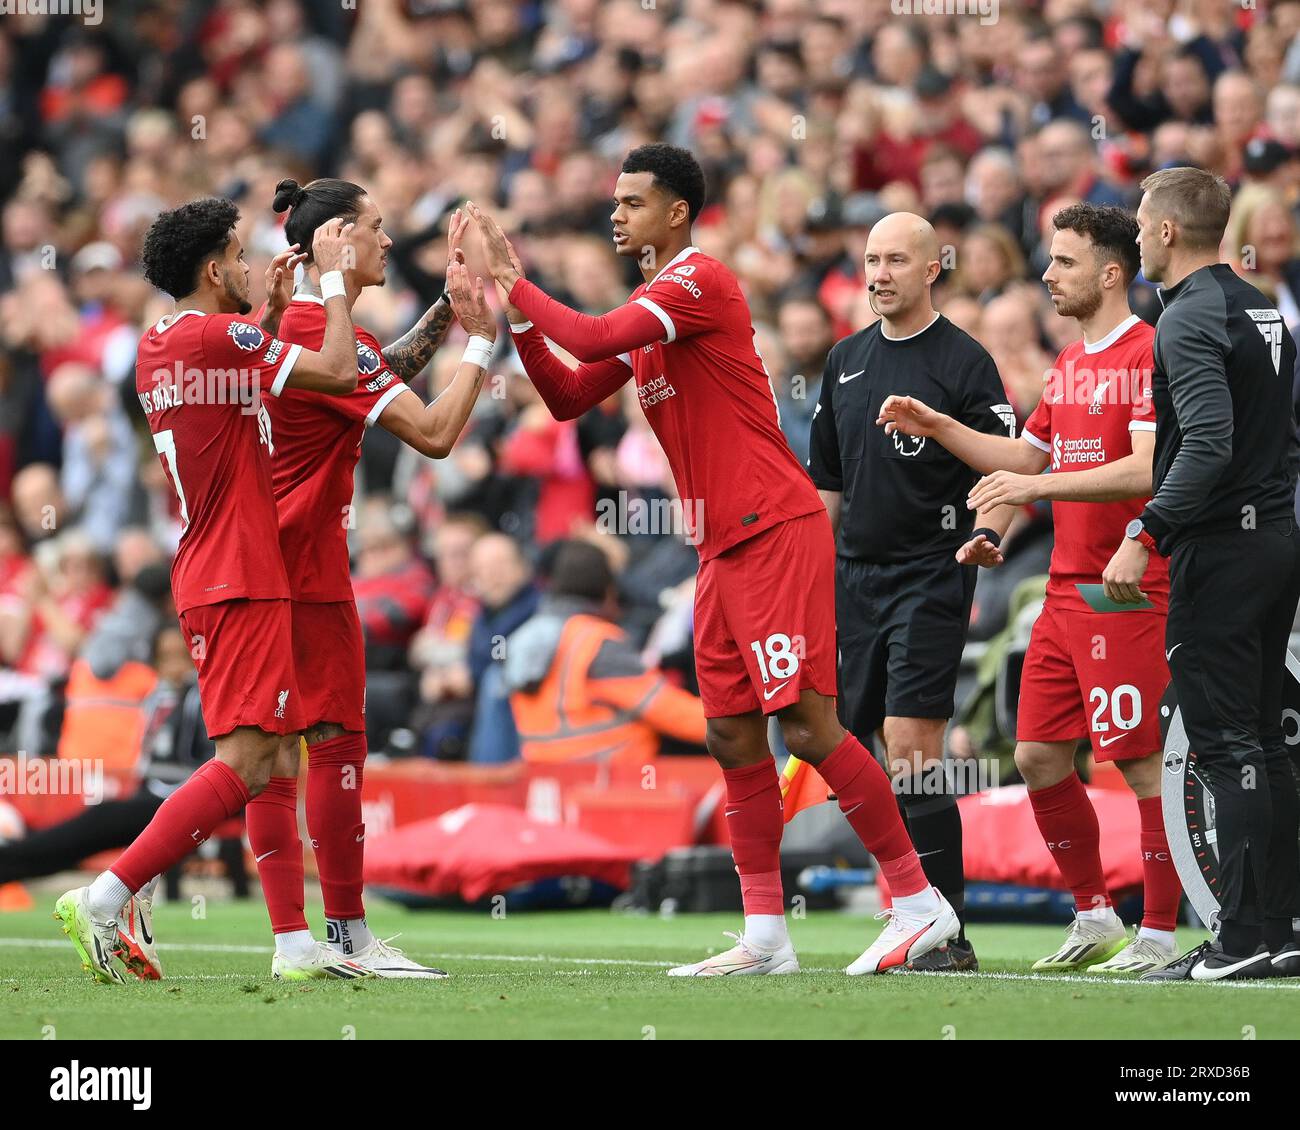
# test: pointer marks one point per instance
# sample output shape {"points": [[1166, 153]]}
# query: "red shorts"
{"points": [[765, 619], [244, 654], [1095, 675], [330, 658]]}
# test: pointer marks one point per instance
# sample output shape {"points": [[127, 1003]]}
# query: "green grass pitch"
{"points": [[595, 974]]}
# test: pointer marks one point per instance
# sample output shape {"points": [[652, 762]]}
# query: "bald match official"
{"points": [[1225, 480], [898, 505]]}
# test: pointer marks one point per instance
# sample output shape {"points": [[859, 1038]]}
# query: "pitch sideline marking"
{"points": [[1044, 978]]}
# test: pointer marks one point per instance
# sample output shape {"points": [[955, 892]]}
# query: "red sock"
{"points": [[272, 819], [871, 809], [1161, 888], [185, 819], [754, 823], [1068, 824], [334, 773]]}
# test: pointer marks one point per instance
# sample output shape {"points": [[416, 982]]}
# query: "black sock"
{"points": [[935, 827], [1239, 939], [1278, 932]]}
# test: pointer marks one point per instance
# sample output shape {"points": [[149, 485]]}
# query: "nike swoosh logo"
{"points": [[854, 809], [361, 837], [1170, 652], [846, 377], [259, 858], [767, 695], [1104, 742]]}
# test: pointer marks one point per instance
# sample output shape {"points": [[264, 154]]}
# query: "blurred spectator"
{"points": [[988, 262], [806, 340], [140, 607], [1009, 331], [546, 449], [38, 502], [99, 452], [392, 586], [1043, 75], [1071, 165], [60, 601], [1261, 244], [1266, 161], [502, 580], [1238, 114], [440, 649], [578, 689]]}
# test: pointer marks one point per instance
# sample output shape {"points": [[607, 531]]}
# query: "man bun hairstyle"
{"points": [[312, 205], [182, 239], [675, 170], [1112, 230], [1197, 201]]}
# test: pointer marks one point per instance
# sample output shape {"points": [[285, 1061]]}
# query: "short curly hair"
{"points": [[1113, 232], [675, 170], [181, 240]]}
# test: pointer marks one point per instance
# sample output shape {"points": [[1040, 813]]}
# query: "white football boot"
{"points": [[389, 962], [907, 936], [320, 961], [742, 958]]}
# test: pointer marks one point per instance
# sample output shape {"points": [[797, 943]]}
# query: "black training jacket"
{"points": [[1226, 449]]}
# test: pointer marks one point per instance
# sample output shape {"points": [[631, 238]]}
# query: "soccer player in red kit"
{"points": [[200, 375], [1087, 673], [765, 592], [315, 443]]}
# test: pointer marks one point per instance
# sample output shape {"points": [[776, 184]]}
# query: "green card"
{"points": [[1098, 601]]}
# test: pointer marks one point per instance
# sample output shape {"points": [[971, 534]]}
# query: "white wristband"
{"points": [[331, 285], [477, 351]]}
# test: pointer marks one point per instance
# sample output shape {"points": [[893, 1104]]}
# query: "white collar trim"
{"points": [[684, 253], [908, 337], [168, 320], [1112, 337]]}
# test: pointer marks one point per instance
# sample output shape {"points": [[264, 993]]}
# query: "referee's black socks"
{"points": [[935, 827]]}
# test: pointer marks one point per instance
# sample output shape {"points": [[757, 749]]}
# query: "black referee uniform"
{"points": [[901, 600], [1223, 511]]}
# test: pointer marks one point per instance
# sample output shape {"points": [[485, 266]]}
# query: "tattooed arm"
{"points": [[433, 429], [411, 352]]}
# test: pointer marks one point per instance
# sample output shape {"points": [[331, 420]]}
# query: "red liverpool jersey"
{"points": [[315, 444], [200, 379], [1094, 399], [708, 398]]}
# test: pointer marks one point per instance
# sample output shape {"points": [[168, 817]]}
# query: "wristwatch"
{"points": [[1138, 532]]}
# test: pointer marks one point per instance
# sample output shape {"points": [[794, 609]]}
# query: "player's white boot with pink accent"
{"points": [[742, 958], [907, 935]]}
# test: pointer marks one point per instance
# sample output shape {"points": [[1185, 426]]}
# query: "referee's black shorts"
{"points": [[900, 629]]}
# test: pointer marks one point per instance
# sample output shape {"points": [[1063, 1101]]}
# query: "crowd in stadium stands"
{"points": [[812, 118]]}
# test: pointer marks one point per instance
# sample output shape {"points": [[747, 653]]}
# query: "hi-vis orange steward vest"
{"points": [[571, 717], [102, 720]]}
